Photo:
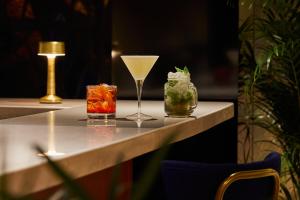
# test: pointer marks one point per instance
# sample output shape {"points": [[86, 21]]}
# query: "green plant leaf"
{"points": [[185, 70], [286, 192], [270, 74], [71, 186], [141, 188], [115, 186]]}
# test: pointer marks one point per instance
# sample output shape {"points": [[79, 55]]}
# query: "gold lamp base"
{"points": [[51, 50], [50, 99]]}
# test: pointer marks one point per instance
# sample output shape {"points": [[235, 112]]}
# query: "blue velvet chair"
{"points": [[202, 181]]}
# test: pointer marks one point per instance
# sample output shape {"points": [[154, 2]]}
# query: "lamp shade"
{"points": [[51, 48]]}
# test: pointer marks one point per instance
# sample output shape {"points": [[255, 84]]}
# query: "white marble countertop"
{"points": [[88, 146], [34, 103]]}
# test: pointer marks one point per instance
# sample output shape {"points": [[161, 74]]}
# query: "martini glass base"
{"points": [[139, 117]]}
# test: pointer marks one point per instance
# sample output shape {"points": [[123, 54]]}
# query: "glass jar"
{"points": [[180, 97]]}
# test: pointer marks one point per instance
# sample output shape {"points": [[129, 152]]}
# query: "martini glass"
{"points": [[139, 67]]}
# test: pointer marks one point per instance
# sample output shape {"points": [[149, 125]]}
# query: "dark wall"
{"points": [[84, 26], [200, 34]]}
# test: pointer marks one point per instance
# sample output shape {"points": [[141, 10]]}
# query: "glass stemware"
{"points": [[139, 67]]}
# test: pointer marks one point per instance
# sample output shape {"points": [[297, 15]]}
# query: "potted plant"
{"points": [[269, 79]]}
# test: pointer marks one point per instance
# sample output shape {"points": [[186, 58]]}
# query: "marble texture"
{"points": [[88, 146]]}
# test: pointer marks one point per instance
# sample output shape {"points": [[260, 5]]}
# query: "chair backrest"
{"points": [[191, 180], [246, 175]]}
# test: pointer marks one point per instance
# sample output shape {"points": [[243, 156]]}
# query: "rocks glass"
{"points": [[101, 101]]}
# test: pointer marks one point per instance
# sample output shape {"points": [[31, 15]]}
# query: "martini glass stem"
{"points": [[139, 88]]}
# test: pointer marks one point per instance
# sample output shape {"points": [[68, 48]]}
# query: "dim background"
{"points": [[199, 34]]}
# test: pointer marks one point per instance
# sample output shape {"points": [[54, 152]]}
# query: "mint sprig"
{"points": [[185, 70]]}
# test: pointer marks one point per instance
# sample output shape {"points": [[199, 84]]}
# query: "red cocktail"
{"points": [[101, 101]]}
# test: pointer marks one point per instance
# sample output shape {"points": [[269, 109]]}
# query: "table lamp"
{"points": [[51, 49]]}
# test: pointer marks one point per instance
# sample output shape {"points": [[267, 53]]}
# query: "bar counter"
{"points": [[82, 146]]}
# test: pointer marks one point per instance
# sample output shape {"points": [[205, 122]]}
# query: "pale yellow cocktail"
{"points": [[139, 67]]}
